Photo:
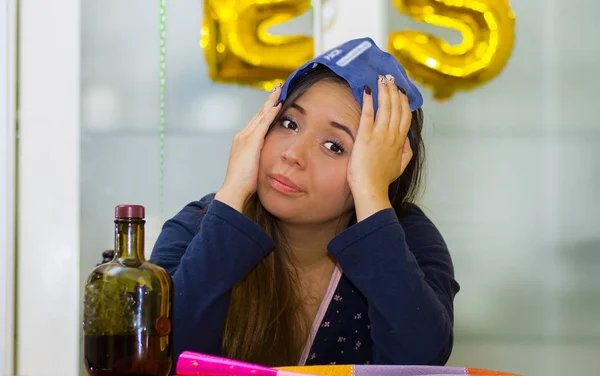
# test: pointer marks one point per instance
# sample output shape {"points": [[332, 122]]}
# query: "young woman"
{"points": [[313, 250]]}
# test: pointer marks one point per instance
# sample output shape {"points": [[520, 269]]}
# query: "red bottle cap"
{"points": [[130, 211]]}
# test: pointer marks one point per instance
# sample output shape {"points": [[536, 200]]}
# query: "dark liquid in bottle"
{"points": [[126, 355]]}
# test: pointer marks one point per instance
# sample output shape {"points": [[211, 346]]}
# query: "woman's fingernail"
{"points": [[390, 77], [368, 89], [382, 79], [277, 103], [276, 87]]}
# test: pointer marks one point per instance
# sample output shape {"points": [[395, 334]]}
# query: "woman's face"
{"points": [[303, 163]]}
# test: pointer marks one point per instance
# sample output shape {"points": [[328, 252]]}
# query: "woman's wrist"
{"points": [[232, 198], [369, 200]]}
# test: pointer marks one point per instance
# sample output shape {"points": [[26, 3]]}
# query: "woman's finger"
{"points": [[268, 106], [384, 108], [396, 107], [367, 116], [262, 125]]}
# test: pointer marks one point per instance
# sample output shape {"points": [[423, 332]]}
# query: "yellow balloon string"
{"points": [[163, 55]]}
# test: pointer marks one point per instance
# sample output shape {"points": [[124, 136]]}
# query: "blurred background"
{"points": [[513, 168]]}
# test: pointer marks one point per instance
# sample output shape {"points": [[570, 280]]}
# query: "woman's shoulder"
{"points": [[205, 201], [191, 215], [200, 206], [418, 225], [412, 213]]}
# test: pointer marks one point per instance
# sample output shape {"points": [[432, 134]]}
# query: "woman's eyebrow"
{"points": [[332, 123], [343, 128]]}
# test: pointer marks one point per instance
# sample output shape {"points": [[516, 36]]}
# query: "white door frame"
{"points": [[48, 250], [8, 39]]}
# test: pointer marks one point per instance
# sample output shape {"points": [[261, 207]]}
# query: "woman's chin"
{"points": [[281, 207]]}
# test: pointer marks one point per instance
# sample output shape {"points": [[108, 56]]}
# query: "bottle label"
{"points": [[162, 325]]}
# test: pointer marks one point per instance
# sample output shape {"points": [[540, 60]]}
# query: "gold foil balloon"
{"points": [[239, 48], [487, 28]]}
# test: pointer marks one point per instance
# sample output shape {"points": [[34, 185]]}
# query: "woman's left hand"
{"points": [[382, 149]]}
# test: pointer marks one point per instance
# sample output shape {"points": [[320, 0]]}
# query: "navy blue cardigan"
{"points": [[393, 303]]}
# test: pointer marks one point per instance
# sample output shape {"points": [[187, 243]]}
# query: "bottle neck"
{"points": [[129, 240]]}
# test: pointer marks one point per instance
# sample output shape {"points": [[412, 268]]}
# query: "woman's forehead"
{"points": [[333, 97]]}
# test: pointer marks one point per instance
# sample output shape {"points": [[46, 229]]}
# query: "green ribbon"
{"points": [[163, 58]]}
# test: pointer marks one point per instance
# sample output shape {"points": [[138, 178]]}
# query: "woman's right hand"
{"points": [[241, 178]]}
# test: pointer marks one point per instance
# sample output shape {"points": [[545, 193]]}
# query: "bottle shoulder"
{"points": [[144, 274]]}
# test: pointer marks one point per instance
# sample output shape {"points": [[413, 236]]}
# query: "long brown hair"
{"points": [[265, 323]]}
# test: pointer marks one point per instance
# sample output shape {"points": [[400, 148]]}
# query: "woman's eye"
{"points": [[334, 147], [289, 124]]}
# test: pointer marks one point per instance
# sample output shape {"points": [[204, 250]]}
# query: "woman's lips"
{"points": [[283, 184]]}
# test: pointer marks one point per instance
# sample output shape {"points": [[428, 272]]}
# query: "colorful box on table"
{"points": [[372, 370], [196, 364]]}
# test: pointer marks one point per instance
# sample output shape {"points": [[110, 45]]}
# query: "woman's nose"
{"points": [[295, 154]]}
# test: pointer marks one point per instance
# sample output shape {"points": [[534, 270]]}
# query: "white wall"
{"points": [[48, 194], [7, 182]]}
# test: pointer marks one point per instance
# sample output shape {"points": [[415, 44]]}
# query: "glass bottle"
{"points": [[107, 256], [127, 307]]}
